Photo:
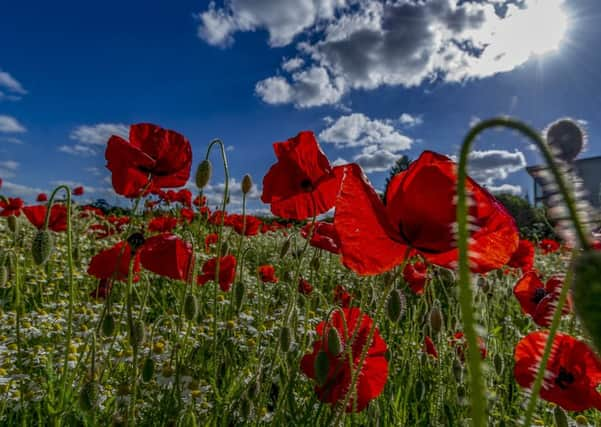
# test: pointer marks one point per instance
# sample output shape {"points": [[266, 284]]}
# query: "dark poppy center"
{"points": [[306, 185], [564, 378], [136, 240], [539, 294]]}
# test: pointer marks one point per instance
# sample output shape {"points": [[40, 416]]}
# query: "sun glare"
{"points": [[541, 27]]}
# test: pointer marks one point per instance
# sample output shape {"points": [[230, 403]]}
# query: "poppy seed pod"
{"points": [[203, 173], [285, 338], [322, 367], [395, 306], [108, 325], [137, 334], [435, 317], [41, 247], [586, 292], [239, 291], [567, 138], [247, 184], [88, 396], [148, 370], [334, 343], [190, 307]]}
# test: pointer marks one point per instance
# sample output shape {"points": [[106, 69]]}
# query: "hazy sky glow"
{"points": [[373, 79]]}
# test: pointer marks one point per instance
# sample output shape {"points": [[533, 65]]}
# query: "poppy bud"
{"points": [[561, 419], [247, 184], [420, 390], [499, 364], [108, 325], [190, 307], [137, 334], [88, 396], [457, 370], [334, 343], [587, 293], [322, 367], [315, 263], [239, 291], [13, 223], [245, 407], [148, 370], [435, 317], [285, 338], [3, 276], [76, 254], [41, 246], [567, 138], [203, 173], [285, 248], [395, 306], [224, 248], [135, 240], [253, 389]]}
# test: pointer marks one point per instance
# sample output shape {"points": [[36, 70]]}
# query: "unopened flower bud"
{"points": [[285, 248], [334, 343], [108, 325], [322, 367], [435, 317], [203, 174], [315, 263], [88, 396], [190, 307], [13, 223], [41, 246], [285, 338], [137, 334], [395, 306], [247, 184], [148, 370], [239, 291]]}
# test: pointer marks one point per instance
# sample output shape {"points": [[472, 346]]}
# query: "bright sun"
{"points": [[541, 27]]}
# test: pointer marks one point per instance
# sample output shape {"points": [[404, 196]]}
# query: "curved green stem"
{"points": [[477, 386]]}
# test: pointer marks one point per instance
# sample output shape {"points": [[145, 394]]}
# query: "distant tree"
{"points": [[531, 221], [400, 165]]}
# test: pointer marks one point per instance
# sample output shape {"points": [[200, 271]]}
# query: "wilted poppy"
{"points": [[113, 263], [374, 372], [154, 158], [227, 271], [416, 275], [267, 274], [37, 216], [538, 299], [302, 183], [323, 236], [523, 257], [572, 374], [419, 216], [11, 207], [167, 255]]}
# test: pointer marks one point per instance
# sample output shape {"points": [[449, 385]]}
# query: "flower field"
{"points": [[420, 307]]}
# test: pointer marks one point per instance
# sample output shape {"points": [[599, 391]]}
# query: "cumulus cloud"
{"points": [[10, 88], [410, 121], [366, 44], [516, 190], [90, 138], [8, 168], [375, 160], [20, 190], [490, 166], [9, 124]]}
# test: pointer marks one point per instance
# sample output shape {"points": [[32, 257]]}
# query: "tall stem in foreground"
{"points": [[477, 386]]}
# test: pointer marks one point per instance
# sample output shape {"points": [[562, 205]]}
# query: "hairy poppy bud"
{"points": [[285, 338], [285, 248], [247, 184], [435, 317], [137, 334], [254, 388], [395, 306], [315, 263], [561, 419], [190, 307], [88, 396], [567, 138], [239, 291], [334, 343], [587, 293], [245, 407], [203, 173], [41, 246], [108, 325], [3, 276], [13, 223], [322, 367], [148, 369], [457, 370], [499, 364]]}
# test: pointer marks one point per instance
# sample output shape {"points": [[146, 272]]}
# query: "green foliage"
{"points": [[532, 221]]}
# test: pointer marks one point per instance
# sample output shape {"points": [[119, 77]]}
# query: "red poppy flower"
{"points": [[89, 211], [458, 341], [419, 214], [103, 289], [162, 224], [78, 191], [217, 218], [548, 246], [302, 183], [324, 236], [573, 372], [267, 274], [167, 255], [187, 215], [42, 197], [429, 347], [539, 300], [200, 201], [210, 240], [304, 287], [227, 272], [37, 216], [113, 263], [342, 297], [416, 275], [11, 207], [251, 226], [154, 158], [374, 371], [523, 257]]}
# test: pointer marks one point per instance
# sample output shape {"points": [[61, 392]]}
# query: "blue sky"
{"points": [[373, 79]]}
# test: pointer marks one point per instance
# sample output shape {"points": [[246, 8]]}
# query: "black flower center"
{"points": [[564, 378], [136, 240], [306, 185], [539, 294]]}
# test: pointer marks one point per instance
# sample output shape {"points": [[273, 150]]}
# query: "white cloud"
{"points": [[410, 121], [516, 190], [8, 168], [371, 43], [13, 88], [90, 138], [19, 190], [11, 140], [9, 124], [358, 130], [490, 166], [376, 160]]}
